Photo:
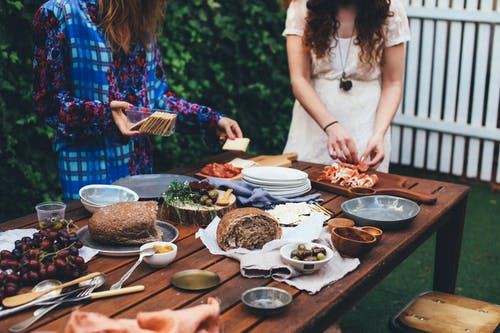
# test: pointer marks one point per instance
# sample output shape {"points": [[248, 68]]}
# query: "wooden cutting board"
{"points": [[388, 184], [283, 160]]}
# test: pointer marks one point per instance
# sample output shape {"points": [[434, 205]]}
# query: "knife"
{"points": [[97, 295], [39, 301]]}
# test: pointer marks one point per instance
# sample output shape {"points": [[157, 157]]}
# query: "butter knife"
{"points": [[97, 295]]}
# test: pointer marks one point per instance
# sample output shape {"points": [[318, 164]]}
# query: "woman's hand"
{"points": [[374, 151], [120, 118], [340, 144], [228, 128]]}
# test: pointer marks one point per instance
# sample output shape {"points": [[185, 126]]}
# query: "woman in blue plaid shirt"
{"points": [[91, 60]]}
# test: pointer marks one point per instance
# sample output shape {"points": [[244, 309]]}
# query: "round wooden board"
{"points": [[198, 214]]}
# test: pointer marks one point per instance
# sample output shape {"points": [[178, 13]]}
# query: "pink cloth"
{"points": [[203, 318]]}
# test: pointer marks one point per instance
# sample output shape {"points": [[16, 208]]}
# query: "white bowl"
{"points": [[306, 267], [95, 196], [90, 207], [160, 259]]}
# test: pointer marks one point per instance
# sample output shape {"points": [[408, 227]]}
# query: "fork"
{"points": [[39, 313]]}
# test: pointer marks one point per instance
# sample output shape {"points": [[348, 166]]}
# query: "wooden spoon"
{"points": [[224, 201], [400, 192], [28, 297]]}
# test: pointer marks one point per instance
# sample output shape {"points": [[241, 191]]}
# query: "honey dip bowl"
{"points": [[352, 242]]}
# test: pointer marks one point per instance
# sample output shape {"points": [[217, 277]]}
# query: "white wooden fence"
{"points": [[449, 117]]}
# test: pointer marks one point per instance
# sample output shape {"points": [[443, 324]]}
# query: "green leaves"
{"points": [[229, 55]]}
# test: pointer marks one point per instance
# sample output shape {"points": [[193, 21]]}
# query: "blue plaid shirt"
{"points": [[76, 75]]}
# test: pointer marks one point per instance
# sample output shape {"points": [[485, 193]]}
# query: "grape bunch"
{"points": [[49, 253]]}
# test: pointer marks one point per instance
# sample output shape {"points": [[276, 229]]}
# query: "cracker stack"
{"points": [[158, 123]]}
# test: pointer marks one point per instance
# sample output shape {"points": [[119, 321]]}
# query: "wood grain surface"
{"points": [[306, 313]]}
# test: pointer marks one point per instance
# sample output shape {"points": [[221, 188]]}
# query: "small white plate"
{"points": [[274, 174]]}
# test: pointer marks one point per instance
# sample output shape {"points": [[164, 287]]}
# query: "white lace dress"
{"points": [[354, 109]]}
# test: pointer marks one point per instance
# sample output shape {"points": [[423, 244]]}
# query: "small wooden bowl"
{"points": [[340, 222], [374, 231], [352, 242]]}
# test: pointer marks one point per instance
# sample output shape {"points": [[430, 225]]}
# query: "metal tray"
{"points": [[153, 185], [170, 234]]}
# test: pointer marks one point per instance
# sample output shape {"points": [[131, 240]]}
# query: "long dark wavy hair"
{"points": [[322, 25], [127, 21]]}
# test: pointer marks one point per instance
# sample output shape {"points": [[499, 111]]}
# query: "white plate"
{"points": [[290, 194], [170, 234], [274, 174], [258, 182]]}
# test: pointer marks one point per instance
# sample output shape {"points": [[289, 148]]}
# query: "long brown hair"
{"points": [[128, 21], [322, 25]]}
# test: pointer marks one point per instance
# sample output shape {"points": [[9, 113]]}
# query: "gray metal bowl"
{"points": [[383, 211], [266, 300]]}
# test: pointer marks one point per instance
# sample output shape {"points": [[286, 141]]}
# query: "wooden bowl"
{"points": [[340, 222], [352, 242], [374, 231]]}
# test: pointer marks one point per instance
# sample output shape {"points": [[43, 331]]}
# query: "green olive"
{"points": [[213, 194], [320, 256], [208, 202], [203, 199], [301, 246]]}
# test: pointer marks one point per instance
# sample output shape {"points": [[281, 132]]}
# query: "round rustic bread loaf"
{"points": [[248, 228], [126, 223]]}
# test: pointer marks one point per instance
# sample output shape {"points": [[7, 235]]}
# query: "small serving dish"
{"points": [[164, 255], [305, 266], [266, 300], [351, 241], [195, 279], [340, 222], [374, 231], [100, 195], [382, 211]]}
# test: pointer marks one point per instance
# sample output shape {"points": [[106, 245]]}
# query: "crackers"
{"points": [[238, 144]]}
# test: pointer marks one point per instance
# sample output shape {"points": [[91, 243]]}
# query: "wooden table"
{"points": [[306, 313]]}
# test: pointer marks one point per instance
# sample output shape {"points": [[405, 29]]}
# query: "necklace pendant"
{"points": [[345, 85]]}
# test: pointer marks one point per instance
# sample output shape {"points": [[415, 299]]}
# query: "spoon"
{"points": [[91, 284], [43, 285], [147, 252], [27, 297]]}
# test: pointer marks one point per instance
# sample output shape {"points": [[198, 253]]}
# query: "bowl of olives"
{"points": [[306, 257]]}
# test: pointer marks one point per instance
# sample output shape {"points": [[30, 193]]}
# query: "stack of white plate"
{"points": [[278, 181]]}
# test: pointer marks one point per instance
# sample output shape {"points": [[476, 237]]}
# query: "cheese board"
{"points": [[388, 184], [283, 160]]}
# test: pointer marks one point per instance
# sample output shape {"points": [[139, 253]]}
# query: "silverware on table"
{"points": [[39, 301], [144, 253], [39, 313], [100, 294]]}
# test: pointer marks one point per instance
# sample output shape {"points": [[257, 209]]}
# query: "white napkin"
{"points": [[266, 262], [8, 238]]}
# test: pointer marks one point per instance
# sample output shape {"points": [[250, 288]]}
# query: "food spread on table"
{"points": [[195, 202], [51, 252], [349, 175], [126, 223], [226, 170], [248, 228], [294, 213]]}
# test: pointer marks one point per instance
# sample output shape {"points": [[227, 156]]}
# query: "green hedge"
{"points": [[226, 54]]}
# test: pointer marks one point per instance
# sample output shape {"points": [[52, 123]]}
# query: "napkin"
{"points": [[249, 195], [199, 318], [266, 262], [8, 238]]}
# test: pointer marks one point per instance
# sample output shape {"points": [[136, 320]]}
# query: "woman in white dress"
{"points": [[346, 60]]}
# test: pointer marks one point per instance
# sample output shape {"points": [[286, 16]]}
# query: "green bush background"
{"points": [[226, 54]]}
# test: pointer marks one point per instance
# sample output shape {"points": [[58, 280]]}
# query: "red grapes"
{"points": [[49, 253]]}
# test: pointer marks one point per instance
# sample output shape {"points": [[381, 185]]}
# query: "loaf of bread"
{"points": [[126, 223], [249, 228]]}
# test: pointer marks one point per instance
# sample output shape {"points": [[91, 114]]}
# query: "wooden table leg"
{"points": [[448, 243]]}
